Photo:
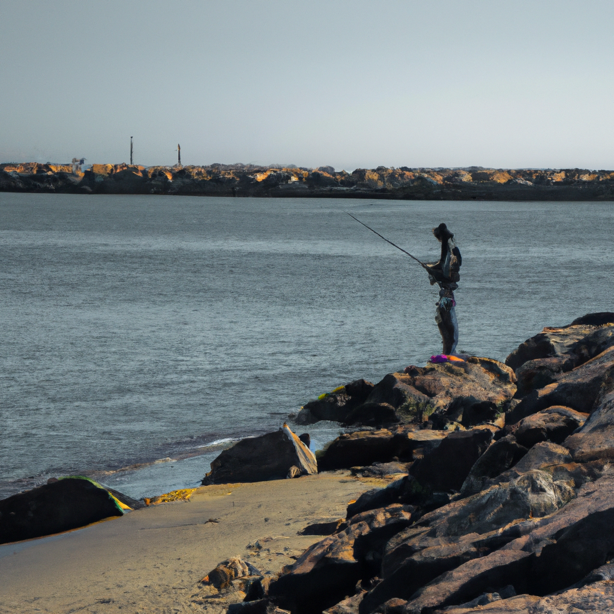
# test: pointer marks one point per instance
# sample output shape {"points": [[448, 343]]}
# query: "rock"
{"points": [[470, 579], [59, 506], [579, 389], [541, 456], [499, 457], [362, 448], [595, 440], [257, 589], [522, 604], [373, 414], [347, 606], [596, 598], [475, 412], [392, 606], [328, 571], [381, 470], [541, 359], [229, 570], [259, 606], [566, 341], [416, 444], [323, 528], [358, 448], [415, 395], [337, 405], [447, 466], [480, 387], [267, 457], [484, 599], [464, 530], [405, 490], [553, 424]]}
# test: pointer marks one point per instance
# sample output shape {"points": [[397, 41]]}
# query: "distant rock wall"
{"points": [[473, 183]]}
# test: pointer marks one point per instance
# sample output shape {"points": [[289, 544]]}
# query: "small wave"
{"points": [[220, 442]]}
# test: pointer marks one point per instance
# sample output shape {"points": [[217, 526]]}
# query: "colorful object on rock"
{"points": [[439, 358]]}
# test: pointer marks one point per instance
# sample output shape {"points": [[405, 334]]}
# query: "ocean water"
{"points": [[143, 334]]}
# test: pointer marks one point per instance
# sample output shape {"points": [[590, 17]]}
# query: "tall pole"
{"points": [[130, 151], [179, 155]]}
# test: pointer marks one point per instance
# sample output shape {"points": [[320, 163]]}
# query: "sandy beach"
{"points": [[151, 560]]}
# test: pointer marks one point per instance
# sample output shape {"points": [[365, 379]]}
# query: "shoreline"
{"points": [[493, 483], [152, 559], [153, 477]]}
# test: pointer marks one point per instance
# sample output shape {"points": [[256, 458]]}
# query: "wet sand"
{"points": [[151, 560]]}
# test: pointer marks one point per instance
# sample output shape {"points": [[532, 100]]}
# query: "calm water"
{"points": [[138, 329]]}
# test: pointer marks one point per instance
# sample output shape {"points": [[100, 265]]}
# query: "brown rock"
{"points": [[470, 579], [328, 571], [358, 448], [595, 440], [573, 340], [481, 387], [268, 457], [580, 389], [229, 570], [337, 405], [347, 606], [521, 604], [362, 448], [553, 424], [462, 531], [324, 528], [446, 467], [499, 457], [541, 359]]}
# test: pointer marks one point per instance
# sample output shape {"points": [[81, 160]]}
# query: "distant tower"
{"points": [[130, 151], [179, 155]]}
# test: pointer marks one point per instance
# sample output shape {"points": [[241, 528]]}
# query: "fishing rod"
{"points": [[387, 241]]}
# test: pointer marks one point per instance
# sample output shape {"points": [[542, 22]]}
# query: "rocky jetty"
{"points": [[249, 180], [502, 498]]}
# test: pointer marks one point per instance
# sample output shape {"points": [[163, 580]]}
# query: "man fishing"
{"points": [[445, 273]]}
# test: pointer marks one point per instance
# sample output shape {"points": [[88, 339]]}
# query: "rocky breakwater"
{"points": [[287, 181], [502, 498]]}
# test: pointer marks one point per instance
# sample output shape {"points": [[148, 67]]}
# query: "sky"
{"points": [[346, 83]]}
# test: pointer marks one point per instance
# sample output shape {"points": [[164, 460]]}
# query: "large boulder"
{"points": [[595, 440], [328, 571], [540, 360], [61, 505], [486, 472], [462, 531], [447, 466], [478, 387], [272, 456], [362, 448], [580, 389], [595, 597], [565, 342], [336, 405], [533, 533], [499, 457], [553, 424]]}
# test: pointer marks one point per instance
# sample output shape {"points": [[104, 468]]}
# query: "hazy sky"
{"points": [[347, 83]]}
